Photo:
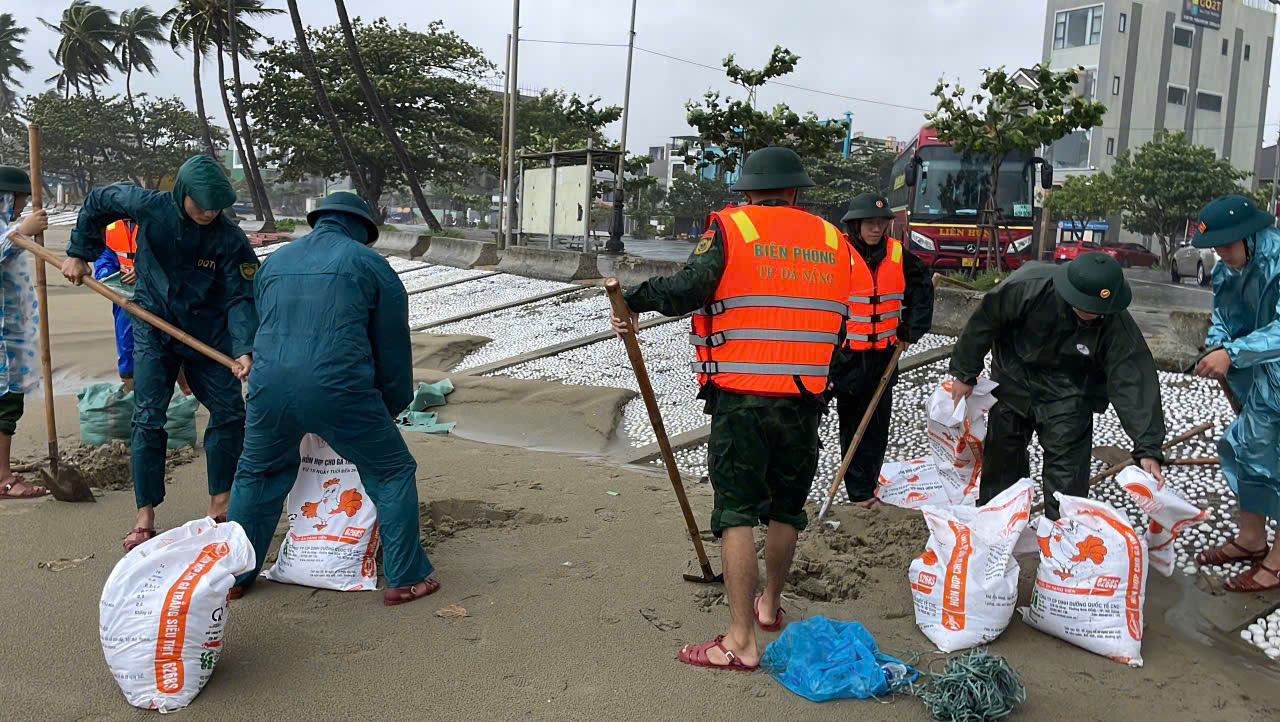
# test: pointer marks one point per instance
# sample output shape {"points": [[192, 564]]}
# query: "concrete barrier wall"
{"points": [[952, 308], [548, 264], [632, 271], [404, 245], [461, 253]]}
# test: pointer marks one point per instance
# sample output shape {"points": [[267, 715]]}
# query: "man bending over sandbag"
{"points": [[195, 270], [1063, 347], [333, 358]]}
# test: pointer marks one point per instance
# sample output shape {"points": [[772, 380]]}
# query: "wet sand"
{"points": [[576, 603]]}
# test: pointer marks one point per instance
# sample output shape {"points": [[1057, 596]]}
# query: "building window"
{"points": [[1183, 37], [1224, 46], [1246, 52], [1115, 85], [1177, 96], [1124, 22], [1076, 28], [1111, 146], [1087, 88], [1209, 101]]}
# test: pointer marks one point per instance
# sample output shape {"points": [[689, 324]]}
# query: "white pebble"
{"points": [[1273, 653]]}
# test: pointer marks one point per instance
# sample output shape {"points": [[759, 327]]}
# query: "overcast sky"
{"points": [[891, 51]]}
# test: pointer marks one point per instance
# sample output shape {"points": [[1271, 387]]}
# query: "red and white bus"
{"points": [[936, 193]]}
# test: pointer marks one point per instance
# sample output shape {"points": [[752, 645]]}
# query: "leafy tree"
{"points": [[83, 51], [693, 196], [1084, 198], [10, 59], [138, 30], [1005, 117], [1166, 183], [736, 127], [1262, 197], [645, 202], [236, 38], [190, 25], [838, 179], [432, 82]]}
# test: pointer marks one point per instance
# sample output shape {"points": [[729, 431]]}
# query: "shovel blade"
{"points": [[68, 485], [696, 579]]}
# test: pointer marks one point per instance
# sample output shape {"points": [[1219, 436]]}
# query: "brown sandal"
{"points": [[1217, 556], [137, 536], [1247, 581], [400, 595], [25, 491]]}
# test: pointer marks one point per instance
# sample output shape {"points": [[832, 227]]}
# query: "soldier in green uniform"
{"points": [[1063, 347], [764, 428]]}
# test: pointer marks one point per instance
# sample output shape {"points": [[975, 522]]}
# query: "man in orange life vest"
{"points": [[768, 285], [891, 303]]}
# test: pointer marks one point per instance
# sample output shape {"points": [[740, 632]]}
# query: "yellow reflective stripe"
{"points": [[897, 252], [745, 227], [833, 236]]}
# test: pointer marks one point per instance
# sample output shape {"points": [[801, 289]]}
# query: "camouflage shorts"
{"points": [[762, 461]]}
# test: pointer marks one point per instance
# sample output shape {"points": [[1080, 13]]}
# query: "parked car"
{"points": [[1191, 261], [1068, 249], [1130, 254]]}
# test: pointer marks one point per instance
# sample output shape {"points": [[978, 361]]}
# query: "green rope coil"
{"points": [[973, 688]]}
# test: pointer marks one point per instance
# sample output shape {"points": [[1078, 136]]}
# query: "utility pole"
{"points": [[615, 244], [513, 83], [502, 153], [1275, 174]]}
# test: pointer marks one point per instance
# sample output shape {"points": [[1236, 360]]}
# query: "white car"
{"points": [[1189, 261]]}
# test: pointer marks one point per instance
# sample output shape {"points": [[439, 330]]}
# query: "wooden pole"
{"points": [[42, 295]]}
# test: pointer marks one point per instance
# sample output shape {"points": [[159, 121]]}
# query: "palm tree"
{"points": [[326, 108], [237, 30], [83, 53], [139, 29], [189, 27], [10, 60], [380, 113]]}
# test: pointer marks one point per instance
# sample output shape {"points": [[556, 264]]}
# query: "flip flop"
{"points": [[29, 491], [402, 595], [235, 593], [1246, 582], [777, 620], [1217, 556], [137, 536], [697, 657]]}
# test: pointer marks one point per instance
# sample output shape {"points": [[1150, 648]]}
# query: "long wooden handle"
{"points": [[862, 429], [620, 310], [134, 309], [42, 297], [1112, 471]]}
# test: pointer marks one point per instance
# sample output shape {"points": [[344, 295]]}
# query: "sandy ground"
{"points": [[576, 603]]}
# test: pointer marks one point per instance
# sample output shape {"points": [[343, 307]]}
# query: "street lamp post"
{"points": [[615, 244]]}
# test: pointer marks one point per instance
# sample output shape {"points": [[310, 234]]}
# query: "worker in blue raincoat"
{"points": [[1244, 351], [333, 358], [195, 270]]}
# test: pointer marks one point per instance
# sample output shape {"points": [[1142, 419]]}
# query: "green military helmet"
{"points": [[351, 204], [14, 180], [772, 168], [867, 205], [1094, 283], [1229, 219]]}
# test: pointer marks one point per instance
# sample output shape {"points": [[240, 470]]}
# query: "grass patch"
{"points": [[448, 233], [287, 225]]}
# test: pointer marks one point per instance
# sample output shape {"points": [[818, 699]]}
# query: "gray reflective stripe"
{"points": [[763, 334], [859, 299], [803, 304], [892, 297], [873, 319], [877, 337], [719, 367]]}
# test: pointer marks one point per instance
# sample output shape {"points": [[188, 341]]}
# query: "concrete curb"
{"points": [[558, 348], [492, 309], [549, 264], [404, 245], [631, 271], [461, 253], [454, 282]]}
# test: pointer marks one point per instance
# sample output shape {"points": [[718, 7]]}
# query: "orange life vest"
{"points": [[124, 241], [776, 316], [875, 301]]}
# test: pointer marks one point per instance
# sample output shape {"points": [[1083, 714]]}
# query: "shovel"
{"points": [[64, 481], [655, 417]]}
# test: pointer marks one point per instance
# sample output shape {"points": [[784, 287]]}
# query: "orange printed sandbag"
{"points": [[1092, 582], [912, 484], [956, 433], [965, 585], [1168, 511], [333, 526], [163, 611]]}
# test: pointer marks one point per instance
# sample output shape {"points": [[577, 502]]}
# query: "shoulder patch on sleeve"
{"points": [[704, 243], [249, 270]]}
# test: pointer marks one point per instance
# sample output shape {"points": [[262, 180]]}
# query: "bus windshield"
{"points": [[954, 187]]}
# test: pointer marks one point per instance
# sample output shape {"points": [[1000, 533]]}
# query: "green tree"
{"points": [[838, 179], [435, 99], [1082, 199], [87, 31], [645, 202], [11, 60], [1005, 117], [137, 31], [729, 130], [1166, 183], [237, 38], [694, 196], [190, 26]]}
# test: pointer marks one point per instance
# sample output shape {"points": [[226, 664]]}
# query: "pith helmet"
{"points": [[14, 180], [1094, 283], [772, 168], [867, 205], [1229, 219], [348, 203]]}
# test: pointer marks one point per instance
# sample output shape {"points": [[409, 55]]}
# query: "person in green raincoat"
{"points": [[195, 270], [1063, 348]]}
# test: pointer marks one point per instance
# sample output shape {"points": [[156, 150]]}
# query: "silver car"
{"points": [[1192, 262]]}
